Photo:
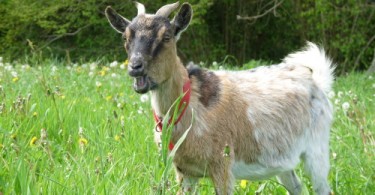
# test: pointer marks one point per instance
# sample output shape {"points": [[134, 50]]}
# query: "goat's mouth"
{"points": [[143, 84]]}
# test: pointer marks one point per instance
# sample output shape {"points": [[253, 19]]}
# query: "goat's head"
{"points": [[150, 41]]}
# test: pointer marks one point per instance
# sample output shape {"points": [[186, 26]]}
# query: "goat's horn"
{"points": [[141, 8], [167, 9]]}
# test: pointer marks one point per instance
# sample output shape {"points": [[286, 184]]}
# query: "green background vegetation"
{"points": [[99, 134], [78, 30]]}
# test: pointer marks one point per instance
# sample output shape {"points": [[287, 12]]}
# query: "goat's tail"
{"points": [[314, 58]]}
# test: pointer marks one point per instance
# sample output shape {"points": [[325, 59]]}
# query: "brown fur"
{"points": [[269, 117]]}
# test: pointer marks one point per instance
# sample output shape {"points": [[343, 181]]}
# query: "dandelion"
{"points": [[82, 141], [113, 64], [140, 110], [33, 141], [331, 94], [243, 184], [340, 93], [345, 106], [102, 73], [144, 98], [15, 79], [80, 131], [123, 65], [53, 69], [108, 98], [98, 84], [93, 66], [334, 155], [14, 74], [117, 138]]}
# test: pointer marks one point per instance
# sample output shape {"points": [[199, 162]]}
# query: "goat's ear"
{"points": [[182, 19], [117, 22]]}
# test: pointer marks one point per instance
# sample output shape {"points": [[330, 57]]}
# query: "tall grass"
{"points": [[81, 129]]}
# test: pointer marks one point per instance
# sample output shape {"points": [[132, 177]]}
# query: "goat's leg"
{"points": [[317, 167], [188, 184], [223, 180], [291, 182]]}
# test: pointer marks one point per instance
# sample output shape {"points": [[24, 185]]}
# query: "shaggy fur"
{"points": [[270, 117]]}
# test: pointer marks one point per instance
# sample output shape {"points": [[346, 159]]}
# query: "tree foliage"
{"points": [[78, 29]]}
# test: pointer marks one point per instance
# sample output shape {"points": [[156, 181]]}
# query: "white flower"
{"points": [[201, 63], [14, 74], [68, 67], [93, 66], [8, 67], [91, 73], [144, 98], [345, 106], [331, 94], [140, 110], [122, 66], [113, 64], [113, 75], [340, 93], [370, 77], [337, 101], [214, 63], [373, 85], [80, 131], [1, 59], [119, 105], [98, 84], [54, 68]]}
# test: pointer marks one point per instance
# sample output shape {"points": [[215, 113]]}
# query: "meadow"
{"points": [[81, 129]]}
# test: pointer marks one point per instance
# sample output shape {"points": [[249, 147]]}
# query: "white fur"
{"points": [[314, 58]]}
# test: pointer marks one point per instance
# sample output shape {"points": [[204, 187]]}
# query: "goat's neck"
{"points": [[167, 92]]}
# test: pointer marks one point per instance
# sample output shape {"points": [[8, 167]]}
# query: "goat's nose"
{"points": [[136, 69], [136, 65]]}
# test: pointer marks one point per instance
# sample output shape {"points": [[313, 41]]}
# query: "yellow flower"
{"points": [[15, 79], [117, 137], [35, 114], [102, 73], [82, 141], [62, 96], [33, 141], [126, 62], [108, 98], [243, 184]]}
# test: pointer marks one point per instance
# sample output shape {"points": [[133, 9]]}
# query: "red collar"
{"points": [[186, 89]]}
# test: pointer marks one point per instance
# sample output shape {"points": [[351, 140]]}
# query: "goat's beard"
{"points": [[143, 84]]}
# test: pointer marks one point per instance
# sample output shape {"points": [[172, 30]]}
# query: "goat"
{"points": [[269, 118]]}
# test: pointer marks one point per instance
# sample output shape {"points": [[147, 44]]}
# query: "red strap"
{"points": [[184, 102]]}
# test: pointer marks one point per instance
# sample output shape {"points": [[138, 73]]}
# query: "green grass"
{"points": [[99, 134]]}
